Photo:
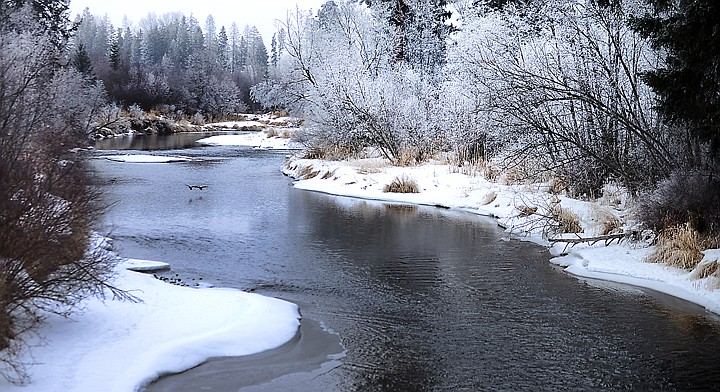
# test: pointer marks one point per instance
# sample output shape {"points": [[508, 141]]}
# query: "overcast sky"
{"points": [[260, 13]]}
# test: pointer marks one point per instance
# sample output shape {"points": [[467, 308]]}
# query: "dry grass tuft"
{"points": [[402, 184], [328, 152], [680, 246], [307, 173], [491, 173], [610, 224], [328, 174], [271, 132], [407, 157], [567, 221], [526, 211], [371, 166], [705, 269]]}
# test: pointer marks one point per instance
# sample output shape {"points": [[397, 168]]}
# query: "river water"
{"points": [[421, 299]]}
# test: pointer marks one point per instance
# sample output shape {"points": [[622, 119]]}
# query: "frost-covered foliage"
{"points": [[541, 88], [339, 73], [566, 84], [553, 82], [48, 206]]}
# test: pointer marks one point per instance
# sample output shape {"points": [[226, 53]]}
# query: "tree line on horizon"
{"points": [[172, 62]]}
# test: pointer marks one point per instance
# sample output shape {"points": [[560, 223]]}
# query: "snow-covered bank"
{"points": [[117, 346], [260, 140], [518, 208]]}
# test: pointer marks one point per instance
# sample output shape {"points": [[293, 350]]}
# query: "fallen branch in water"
{"points": [[607, 239]]}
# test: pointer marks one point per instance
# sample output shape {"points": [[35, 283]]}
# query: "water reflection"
{"points": [[433, 300], [155, 142]]}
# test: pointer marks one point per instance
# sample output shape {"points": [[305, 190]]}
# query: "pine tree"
{"points": [[689, 82], [81, 61], [236, 57], [420, 30], [274, 51], [114, 54], [223, 48]]}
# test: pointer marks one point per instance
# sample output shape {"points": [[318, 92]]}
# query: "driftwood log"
{"points": [[606, 239]]}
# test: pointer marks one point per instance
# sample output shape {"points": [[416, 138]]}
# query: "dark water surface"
{"points": [[422, 299]]}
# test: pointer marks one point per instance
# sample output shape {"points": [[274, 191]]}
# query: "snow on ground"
{"points": [[236, 125], [117, 346], [258, 140], [144, 158], [516, 207]]}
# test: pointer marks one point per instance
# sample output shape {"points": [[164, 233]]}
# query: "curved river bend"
{"points": [[422, 299]]}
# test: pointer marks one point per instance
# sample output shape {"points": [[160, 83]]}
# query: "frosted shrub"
{"points": [[49, 205], [198, 119], [684, 198], [136, 111]]}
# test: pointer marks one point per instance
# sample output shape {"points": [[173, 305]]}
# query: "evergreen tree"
{"points": [[81, 61], [688, 83], [223, 48], [274, 51], [114, 54], [50, 16], [420, 30], [236, 56]]}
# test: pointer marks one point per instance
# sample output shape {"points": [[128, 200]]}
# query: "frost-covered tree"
{"points": [[81, 61], [420, 29], [339, 71], [570, 91], [48, 16], [151, 65]]}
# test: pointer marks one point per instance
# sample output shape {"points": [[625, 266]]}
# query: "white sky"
{"points": [[261, 13]]}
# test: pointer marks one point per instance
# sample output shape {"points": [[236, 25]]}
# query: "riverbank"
{"points": [[528, 211], [159, 124], [121, 345]]}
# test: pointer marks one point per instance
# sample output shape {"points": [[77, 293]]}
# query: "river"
{"points": [[394, 297]]}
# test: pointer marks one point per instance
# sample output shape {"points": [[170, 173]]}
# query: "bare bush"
{"points": [[48, 205], [685, 197]]}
